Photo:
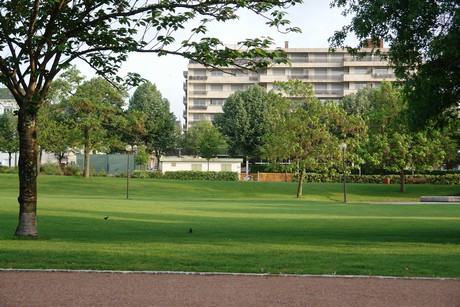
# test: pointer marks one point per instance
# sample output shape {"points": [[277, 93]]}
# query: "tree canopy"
{"points": [[161, 133], [38, 39], [244, 120], [309, 132], [423, 37]]}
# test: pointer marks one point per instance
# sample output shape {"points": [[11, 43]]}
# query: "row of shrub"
{"points": [[448, 179], [8, 170], [188, 175]]}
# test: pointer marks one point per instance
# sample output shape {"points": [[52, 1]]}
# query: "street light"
{"points": [[129, 149], [343, 146]]}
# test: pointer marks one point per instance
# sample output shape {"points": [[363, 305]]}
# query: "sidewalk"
{"points": [[38, 288]]}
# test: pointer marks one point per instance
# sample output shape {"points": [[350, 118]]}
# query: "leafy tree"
{"points": [[56, 131], [160, 122], [393, 146], [244, 120], [39, 39], [95, 109], [9, 141], [423, 36], [205, 140], [308, 131], [142, 157], [54, 125]]}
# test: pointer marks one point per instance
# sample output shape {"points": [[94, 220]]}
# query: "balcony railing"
{"points": [[198, 77]]}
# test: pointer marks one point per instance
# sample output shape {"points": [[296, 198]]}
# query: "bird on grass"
{"points": [[106, 218], [190, 231]]}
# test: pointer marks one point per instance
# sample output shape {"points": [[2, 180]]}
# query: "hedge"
{"points": [[448, 179], [188, 175]]}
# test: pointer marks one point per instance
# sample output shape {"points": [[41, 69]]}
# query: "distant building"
{"points": [[173, 164], [333, 76], [7, 102]]}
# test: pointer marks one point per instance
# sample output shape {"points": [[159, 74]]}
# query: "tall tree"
{"points": [[160, 122], [205, 140], [308, 131], [55, 128], [9, 141], [393, 146], [423, 36], [95, 108], [38, 39], [244, 121]]}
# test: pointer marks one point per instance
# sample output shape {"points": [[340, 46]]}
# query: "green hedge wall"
{"points": [[188, 175], [448, 179]]}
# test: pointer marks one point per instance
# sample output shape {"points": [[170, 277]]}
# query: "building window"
{"points": [[279, 72], [199, 103], [237, 87], [198, 72], [216, 73], [226, 167], [217, 87], [196, 167], [360, 85], [217, 102], [360, 70]]}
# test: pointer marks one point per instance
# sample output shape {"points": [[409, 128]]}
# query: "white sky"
{"points": [[314, 17]]}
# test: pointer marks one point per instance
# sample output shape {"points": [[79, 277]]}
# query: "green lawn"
{"points": [[237, 227]]}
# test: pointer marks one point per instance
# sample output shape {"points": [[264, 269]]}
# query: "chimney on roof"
{"points": [[371, 44], [286, 44]]}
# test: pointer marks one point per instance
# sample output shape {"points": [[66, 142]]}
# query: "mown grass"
{"points": [[237, 227]]}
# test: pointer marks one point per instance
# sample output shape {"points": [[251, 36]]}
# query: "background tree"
{"points": [[160, 122], [39, 39], [54, 125], [95, 108], [9, 141], [422, 35], [56, 132], [392, 145], [205, 140], [244, 121], [308, 131]]}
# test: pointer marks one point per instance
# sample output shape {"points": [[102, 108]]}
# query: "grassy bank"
{"points": [[237, 227]]}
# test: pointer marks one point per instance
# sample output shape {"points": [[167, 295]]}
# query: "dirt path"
{"points": [[139, 289]]}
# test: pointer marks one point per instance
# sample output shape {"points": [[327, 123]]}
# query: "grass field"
{"points": [[237, 227]]}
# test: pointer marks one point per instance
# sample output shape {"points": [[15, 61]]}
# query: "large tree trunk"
{"points": [[300, 187], [28, 156]]}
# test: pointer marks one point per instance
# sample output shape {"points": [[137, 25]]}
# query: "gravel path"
{"points": [[36, 288]]}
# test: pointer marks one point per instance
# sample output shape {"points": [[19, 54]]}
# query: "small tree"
{"points": [[308, 131], [205, 140], [392, 145], [9, 141], [95, 107], [244, 121]]}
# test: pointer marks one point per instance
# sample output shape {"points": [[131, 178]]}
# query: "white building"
{"points": [[173, 164], [333, 76]]}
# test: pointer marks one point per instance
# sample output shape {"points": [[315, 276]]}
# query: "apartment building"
{"points": [[7, 102], [333, 76]]}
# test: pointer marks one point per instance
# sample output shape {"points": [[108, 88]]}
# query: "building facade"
{"points": [[333, 75]]}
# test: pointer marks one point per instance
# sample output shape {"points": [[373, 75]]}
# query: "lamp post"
{"points": [[129, 149], [343, 146]]}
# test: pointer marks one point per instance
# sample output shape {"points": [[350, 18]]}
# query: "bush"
{"points": [[198, 175], [448, 179], [51, 169], [8, 170], [72, 170]]}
